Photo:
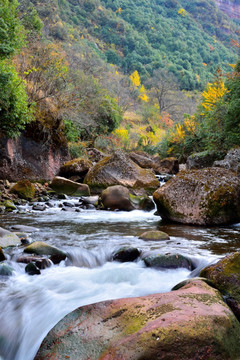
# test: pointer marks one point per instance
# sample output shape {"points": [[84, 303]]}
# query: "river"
{"points": [[32, 305]]}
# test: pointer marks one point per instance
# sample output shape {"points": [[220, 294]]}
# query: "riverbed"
{"points": [[32, 305]]}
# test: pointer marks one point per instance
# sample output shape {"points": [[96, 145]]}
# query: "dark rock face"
{"points": [[203, 159], [188, 324], [209, 196], [31, 157], [119, 169], [231, 161]]}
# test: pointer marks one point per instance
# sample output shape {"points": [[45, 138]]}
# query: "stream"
{"points": [[32, 305]]}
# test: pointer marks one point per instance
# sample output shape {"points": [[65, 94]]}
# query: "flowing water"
{"points": [[32, 305]]}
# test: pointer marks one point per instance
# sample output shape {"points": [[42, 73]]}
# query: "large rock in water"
{"points": [[187, 324], [68, 187], [8, 238], [209, 196], [225, 276], [41, 248], [119, 197], [119, 169]]}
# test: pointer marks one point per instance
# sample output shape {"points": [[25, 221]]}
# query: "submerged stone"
{"points": [[126, 254], [41, 248], [5, 270], [171, 261], [154, 235]]}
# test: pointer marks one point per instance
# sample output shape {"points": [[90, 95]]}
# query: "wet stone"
{"points": [[32, 269]]}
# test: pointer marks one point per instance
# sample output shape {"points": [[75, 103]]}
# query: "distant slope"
{"points": [[230, 7], [189, 38]]}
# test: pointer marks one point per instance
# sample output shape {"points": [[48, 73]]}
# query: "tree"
{"points": [[14, 111], [11, 29], [162, 87]]}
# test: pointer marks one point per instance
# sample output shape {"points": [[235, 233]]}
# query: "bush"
{"points": [[14, 110]]}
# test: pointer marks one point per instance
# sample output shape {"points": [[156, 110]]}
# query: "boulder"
{"points": [[187, 324], [24, 189], [203, 159], [119, 197], [32, 269], [2, 256], [142, 160], [231, 161], [76, 167], [41, 248], [95, 155], [208, 196], [126, 254], [166, 166], [39, 261], [154, 235], [9, 205], [171, 261], [68, 187], [225, 276], [5, 270], [8, 238], [119, 169]]}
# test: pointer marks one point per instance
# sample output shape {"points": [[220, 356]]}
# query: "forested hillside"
{"points": [[189, 38], [78, 67]]}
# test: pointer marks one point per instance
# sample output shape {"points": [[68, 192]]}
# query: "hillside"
{"points": [[189, 38], [231, 8]]}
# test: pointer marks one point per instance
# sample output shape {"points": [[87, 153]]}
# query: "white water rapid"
{"points": [[32, 305]]}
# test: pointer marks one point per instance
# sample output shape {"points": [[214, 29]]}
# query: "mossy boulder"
{"points": [[171, 261], [65, 186], [187, 324], [154, 235], [24, 189], [203, 159], [119, 197], [8, 238], [126, 254], [76, 167], [119, 169], [208, 196], [225, 276], [9, 205], [41, 248]]}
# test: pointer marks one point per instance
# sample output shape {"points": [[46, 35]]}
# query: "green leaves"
{"points": [[14, 111]]}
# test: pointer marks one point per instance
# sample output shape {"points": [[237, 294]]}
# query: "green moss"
{"points": [[24, 189]]}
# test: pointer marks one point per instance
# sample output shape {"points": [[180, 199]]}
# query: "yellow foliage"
{"points": [[213, 94], [135, 78], [118, 11], [182, 12], [121, 133], [143, 96]]}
